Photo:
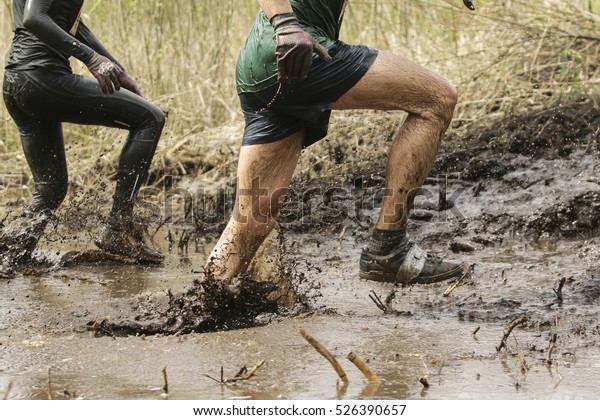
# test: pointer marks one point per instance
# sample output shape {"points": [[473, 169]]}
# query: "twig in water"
{"points": [[508, 330], [166, 382], [353, 357], [551, 348], [49, 383], [454, 285], [558, 290], [340, 239], [423, 379], [7, 390], [377, 301], [325, 353], [242, 375], [476, 331], [245, 374]]}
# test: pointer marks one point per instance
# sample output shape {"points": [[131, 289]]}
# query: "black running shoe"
{"points": [[410, 265]]}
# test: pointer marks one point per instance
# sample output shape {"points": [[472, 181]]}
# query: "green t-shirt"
{"points": [[257, 66]]}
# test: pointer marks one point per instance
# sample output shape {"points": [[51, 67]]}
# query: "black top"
{"points": [[47, 33]]}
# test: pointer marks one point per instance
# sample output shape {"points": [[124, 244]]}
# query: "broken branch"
{"points": [[353, 357], [551, 348], [325, 353], [454, 285], [508, 330]]}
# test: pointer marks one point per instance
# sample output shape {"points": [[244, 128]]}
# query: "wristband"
{"points": [[282, 20]]}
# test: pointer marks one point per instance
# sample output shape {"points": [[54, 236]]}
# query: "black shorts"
{"points": [[283, 109]]}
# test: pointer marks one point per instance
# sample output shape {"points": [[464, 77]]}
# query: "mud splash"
{"points": [[203, 307]]}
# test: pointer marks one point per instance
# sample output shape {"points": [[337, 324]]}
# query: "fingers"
{"points": [[102, 83], [128, 83], [294, 66], [115, 81], [295, 63], [322, 52], [109, 77]]}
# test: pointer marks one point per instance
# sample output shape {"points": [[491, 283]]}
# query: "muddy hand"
{"points": [[469, 4], [295, 48], [107, 73]]}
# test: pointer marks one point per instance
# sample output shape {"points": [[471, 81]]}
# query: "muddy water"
{"points": [[539, 191], [423, 334]]}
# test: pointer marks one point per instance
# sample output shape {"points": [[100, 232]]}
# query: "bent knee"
{"points": [[441, 105], [446, 101], [154, 118]]}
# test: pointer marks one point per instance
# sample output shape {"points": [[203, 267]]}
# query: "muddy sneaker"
{"points": [[410, 265], [19, 238], [126, 238]]}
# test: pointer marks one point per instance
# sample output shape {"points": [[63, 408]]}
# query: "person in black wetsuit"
{"points": [[41, 92]]}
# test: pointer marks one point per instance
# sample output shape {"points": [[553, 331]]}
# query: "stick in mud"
{"points": [[49, 383], [508, 330], [454, 285], [166, 382], [340, 240], [353, 357], [550, 349], [242, 375], [558, 290], [7, 390], [325, 353], [377, 301], [423, 379], [245, 374]]}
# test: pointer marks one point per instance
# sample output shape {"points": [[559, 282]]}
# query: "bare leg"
{"points": [[395, 83], [264, 175]]}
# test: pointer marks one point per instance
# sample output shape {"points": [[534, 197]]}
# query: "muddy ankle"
{"points": [[384, 242]]}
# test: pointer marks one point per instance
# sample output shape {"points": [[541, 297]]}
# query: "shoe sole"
{"points": [[384, 277]]}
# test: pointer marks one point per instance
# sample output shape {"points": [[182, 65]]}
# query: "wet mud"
{"points": [[517, 200]]}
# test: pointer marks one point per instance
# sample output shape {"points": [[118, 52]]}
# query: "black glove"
{"points": [[107, 73], [294, 48], [128, 83]]}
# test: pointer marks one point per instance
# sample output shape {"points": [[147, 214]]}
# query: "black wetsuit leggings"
{"points": [[40, 101]]}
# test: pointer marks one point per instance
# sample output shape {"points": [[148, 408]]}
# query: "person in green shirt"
{"points": [[291, 72]]}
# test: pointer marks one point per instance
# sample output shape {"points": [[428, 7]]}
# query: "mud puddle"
{"points": [[450, 340]]}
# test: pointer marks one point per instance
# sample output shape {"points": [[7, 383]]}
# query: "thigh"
{"points": [[264, 174], [43, 147], [395, 83], [79, 100]]}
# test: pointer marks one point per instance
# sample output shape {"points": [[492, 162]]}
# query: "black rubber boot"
{"points": [[123, 236], [407, 265]]}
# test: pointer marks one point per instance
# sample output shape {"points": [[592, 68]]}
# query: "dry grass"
{"points": [[505, 57]]}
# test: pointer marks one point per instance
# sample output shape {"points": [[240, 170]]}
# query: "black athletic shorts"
{"points": [[283, 109]]}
